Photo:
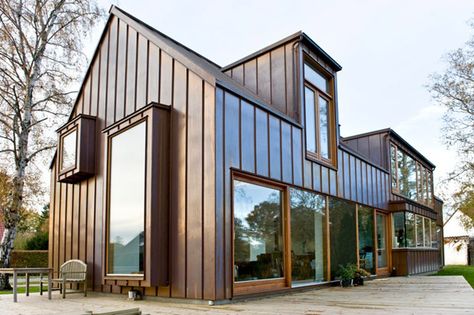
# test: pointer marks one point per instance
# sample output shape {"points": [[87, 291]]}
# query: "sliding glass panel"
{"points": [[68, 158], [258, 236], [366, 239], [127, 201], [316, 78], [324, 127], [381, 241], [430, 188], [427, 227], [410, 229], [343, 234], [398, 239], [308, 237], [310, 120], [420, 241]]}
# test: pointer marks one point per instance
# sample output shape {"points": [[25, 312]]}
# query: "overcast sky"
{"points": [[387, 50]]}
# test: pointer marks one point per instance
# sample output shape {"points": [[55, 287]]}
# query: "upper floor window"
{"points": [[68, 149], [409, 177], [319, 114]]}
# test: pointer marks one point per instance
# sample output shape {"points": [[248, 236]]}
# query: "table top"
{"points": [[26, 269]]}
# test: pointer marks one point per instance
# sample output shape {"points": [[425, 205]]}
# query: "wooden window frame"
{"points": [[257, 286], [156, 207], [420, 182], [316, 156], [85, 159], [75, 129]]}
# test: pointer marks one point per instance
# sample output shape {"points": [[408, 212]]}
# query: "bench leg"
{"points": [[41, 284], [64, 289], [85, 288], [27, 284], [15, 283]]}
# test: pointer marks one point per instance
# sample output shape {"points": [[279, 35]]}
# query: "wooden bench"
{"points": [[72, 271]]}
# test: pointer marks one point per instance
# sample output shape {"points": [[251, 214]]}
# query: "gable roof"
{"points": [[298, 36], [397, 137]]}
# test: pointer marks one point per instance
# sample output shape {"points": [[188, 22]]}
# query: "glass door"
{"points": [[382, 266]]}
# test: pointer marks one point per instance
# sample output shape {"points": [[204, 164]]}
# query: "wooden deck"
{"points": [[413, 295]]}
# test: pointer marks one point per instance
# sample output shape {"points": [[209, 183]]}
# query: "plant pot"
{"points": [[358, 281], [346, 283]]}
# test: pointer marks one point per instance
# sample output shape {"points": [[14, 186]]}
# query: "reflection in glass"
{"points": [[410, 229], [127, 201], [310, 120], [342, 234], [402, 172], [366, 239], [434, 234], [427, 226], [381, 241], [324, 127], [308, 234], [68, 158], [398, 219], [258, 236], [393, 164], [316, 78], [420, 241], [411, 182]]}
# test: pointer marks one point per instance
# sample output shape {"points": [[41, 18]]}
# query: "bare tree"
{"points": [[454, 90], [40, 58]]}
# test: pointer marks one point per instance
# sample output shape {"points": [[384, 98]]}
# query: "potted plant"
{"points": [[360, 275], [347, 274]]}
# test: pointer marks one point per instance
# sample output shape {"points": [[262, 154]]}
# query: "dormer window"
{"points": [[410, 178], [319, 114], [76, 149]]}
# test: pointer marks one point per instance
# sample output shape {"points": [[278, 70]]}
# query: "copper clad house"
{"points": [[184, 179]]}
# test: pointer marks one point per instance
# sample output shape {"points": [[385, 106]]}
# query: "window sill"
{"points": [[328, 164], [125, 277]]}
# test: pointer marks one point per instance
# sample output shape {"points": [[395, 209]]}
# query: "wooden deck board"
{"points": [[413, 295]]}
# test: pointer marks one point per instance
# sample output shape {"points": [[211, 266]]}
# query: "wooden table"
{"points": [[27, 271]]}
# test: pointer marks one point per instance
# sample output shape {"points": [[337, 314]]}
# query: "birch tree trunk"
{"points": [[40, 57]]}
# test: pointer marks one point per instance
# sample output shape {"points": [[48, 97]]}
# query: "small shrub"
{"points": [[347, 272], [39, 241]]}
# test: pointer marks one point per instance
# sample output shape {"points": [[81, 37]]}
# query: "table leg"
{"points": [[49, 284], [27, 284], [14, 287]]}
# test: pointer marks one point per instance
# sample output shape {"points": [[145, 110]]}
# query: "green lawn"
{"points": [[33, 289], [466, 271]]}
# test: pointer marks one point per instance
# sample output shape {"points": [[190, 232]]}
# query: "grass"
{"points": [[33, 289], [457, 270]]}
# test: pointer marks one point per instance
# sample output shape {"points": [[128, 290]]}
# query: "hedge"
{"points": [[29, 258]]}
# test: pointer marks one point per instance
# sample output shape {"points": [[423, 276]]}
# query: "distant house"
{"points": [[456, 250], [190, 180]]}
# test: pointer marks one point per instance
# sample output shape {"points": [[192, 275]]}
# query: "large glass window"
{"points": [[366, 239], [317, 114], [68, 150], [410, 178], [398, 222], [411, 230], [308, 237], [258, 232], [127, 201], [343, 234]]}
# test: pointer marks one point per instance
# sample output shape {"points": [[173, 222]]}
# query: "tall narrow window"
{"points": [[366, 239], [308, 237], [310, 120], [258, 232], [126, 228], [399, 238], [420, 231], [318, 115], [68, 147]]}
